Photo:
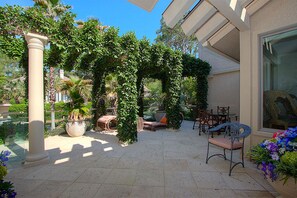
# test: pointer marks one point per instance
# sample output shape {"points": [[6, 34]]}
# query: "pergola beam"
{"points": [[147, 5], [198, 16], [255, 6], [226, 29], [234, 12], [211, 27], [175, 11]]}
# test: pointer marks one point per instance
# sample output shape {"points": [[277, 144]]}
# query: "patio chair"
{"points": [[205, 121], [233, 139], [224, 114]]}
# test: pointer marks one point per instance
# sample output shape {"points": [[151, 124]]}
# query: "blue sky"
{"points": [[118, 13]]}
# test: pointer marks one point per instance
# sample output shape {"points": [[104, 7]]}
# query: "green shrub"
{"points": [[287, 166], [259, 154], [18, 108]]}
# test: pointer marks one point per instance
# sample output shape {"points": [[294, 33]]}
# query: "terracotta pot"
{"points": [[76, 128], [287, 190]]}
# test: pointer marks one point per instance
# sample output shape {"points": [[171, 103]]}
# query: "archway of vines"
{"points": [[91, 47]]}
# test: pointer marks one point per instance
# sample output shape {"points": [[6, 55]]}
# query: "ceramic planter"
{"points": [[76, 128], [4, 109]]}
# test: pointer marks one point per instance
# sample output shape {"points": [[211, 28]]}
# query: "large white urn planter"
{"points": [[76, 128], [4, 109]]}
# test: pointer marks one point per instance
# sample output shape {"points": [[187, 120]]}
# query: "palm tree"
{"points": [[78, 90], [52, 9]]}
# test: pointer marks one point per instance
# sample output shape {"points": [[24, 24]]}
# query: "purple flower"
{"points": [[4, 157], [272, 147], [272, 173], [275, 156]]}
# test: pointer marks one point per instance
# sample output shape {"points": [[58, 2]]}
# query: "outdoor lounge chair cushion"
{"points": [[164, 120], [153, 125], [225, 143]]}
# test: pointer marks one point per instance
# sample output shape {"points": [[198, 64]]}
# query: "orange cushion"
{"points": [[164, 120]]}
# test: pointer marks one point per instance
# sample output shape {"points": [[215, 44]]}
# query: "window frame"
{"points": [[261, 43]]}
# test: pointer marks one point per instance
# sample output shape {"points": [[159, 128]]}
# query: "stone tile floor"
{"points": [[164, 163]]}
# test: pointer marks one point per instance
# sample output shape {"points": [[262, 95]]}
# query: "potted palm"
{"points": [[277, 158], [76, 89]]}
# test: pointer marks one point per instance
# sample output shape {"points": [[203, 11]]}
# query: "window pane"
{"points": [[280, 80]]}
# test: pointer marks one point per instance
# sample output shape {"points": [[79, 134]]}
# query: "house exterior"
{"points": [[223, 81], [262, 36]]}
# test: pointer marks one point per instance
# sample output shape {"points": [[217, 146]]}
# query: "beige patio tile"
{"points": [[22, 172], [79, 162], [161, 164], [49, 189], [181, 192], [150, 164], [149, 178], [79, 190], [200, 165], [179, 179], [241, 181], [94, 175], [212, 180], [104, 162], [127, 163], [147, 192], [121, 176], [43, 173], [216, 193], [254, 194], [23, 187], [114, 191], [176, 165], [222, 165], [66, 173]]}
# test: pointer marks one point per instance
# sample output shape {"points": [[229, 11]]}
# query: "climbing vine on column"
{"points": [[127, 91], [200, 69], [174, 76]]}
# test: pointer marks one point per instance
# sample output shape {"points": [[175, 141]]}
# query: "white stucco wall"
{"points": [[224, 91], [223, 81], [276, 15]]}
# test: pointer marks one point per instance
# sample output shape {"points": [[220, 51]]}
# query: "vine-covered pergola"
{"points": [[92, 47]]}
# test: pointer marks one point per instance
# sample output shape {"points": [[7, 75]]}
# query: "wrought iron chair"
{"points": [[238, 132], [224, 114], [205, 121]]}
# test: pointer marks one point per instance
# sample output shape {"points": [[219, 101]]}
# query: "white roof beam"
{"points": [[244, 3], [176, 10], [210, 27], [198, 17], [233, 11], [147, 5], [226, 29], [255, 6]]}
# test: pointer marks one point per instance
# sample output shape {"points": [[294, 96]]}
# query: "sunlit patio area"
{"points": [[164, 163]]}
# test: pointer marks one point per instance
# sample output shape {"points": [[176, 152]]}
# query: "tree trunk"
{"points": [[52, 97], [140, 90]]}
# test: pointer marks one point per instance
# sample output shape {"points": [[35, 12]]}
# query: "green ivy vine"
{"points": [[89, 46]]}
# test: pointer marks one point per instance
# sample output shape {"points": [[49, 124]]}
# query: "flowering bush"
{"points": [[278, 156], [6, 188]]}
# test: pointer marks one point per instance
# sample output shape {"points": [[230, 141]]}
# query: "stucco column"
{"points": [[36, 154]]}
